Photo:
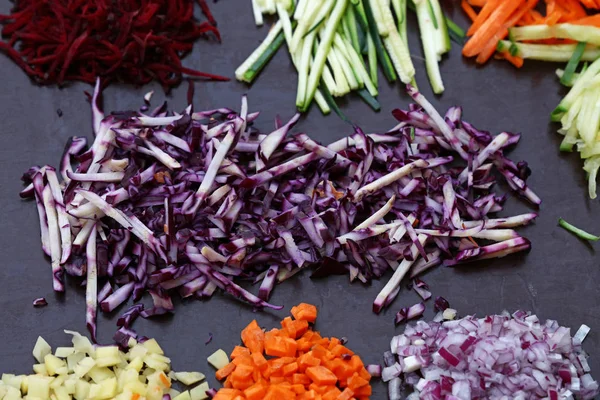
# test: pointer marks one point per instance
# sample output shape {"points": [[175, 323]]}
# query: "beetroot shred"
{"points": [[133, 41]]}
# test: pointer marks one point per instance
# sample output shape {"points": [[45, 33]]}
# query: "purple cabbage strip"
{"points": [[193, 204]]}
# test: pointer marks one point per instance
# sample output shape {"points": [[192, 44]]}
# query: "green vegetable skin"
{"points": [[580, 233]]}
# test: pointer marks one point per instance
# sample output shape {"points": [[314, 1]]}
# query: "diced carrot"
{"points": [[276, 379], [363, 373], [363, 391], [227, 394], [253, 337], [135, 396], [340, 350], [245, 359], [332, 393], [290, 369], [321, 375], [298, 388], [278, 392], [242, 372], [305, 312], [225, 371], [308, 360], [356, 382], [238, 351], [321, 352], [259, 360], [164, 380], [347, 394], [301, 379]]}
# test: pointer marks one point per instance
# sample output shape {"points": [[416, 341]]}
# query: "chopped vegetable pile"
{"points": [[329, 40], [293, 362], [495, 357], [126, 40], [550, 37], [579, 116], [192, 202], [87, 372]]}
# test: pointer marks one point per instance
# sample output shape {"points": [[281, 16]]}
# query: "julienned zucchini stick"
{"points": [[580, 33], [324, 46], [580, 233], [435, 39], [250, 62], [549, 52]]}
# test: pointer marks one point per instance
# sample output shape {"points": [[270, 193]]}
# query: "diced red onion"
{"points": [[498, 356]]}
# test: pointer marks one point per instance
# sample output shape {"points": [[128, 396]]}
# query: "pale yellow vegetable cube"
{"points": [[154, 392], [53, 363], [155, 364], [126, 376], [199, 392], [152, 346], [84, 366], [100, 374], [12, 394], [173, 393], [137, 351], [82, 388], [189, 378], [107, 389], [136, 364], [70, 384], [40, 349], [73, 360], [59, 381], [3, 390], [61, 393], [136, 387], [40, 369], [64, 352], [13, 380], [82, 343], [218, 359], [38, 386], [183, 396]]}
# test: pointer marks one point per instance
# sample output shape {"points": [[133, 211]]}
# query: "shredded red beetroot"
{"points": [[133, 41]]}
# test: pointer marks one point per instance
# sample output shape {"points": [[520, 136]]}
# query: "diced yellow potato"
{"points": [[136, 364], [152, 346], [73, 360], [62, 370], [59, 381], [136, 387], [40, 349], [84, 366], [126, 376], [12, 394], [53, 363], [40, 369], [82, 388], [70, 384], [173, 393], [107, 389], [13, 380], [3, 390], [61, 393], [218, 359], [24, 384], [131, 342], [108, 361], [137, 351], [154, 364], [189, 378], [100, 374], [107, 352], [82, 343], [154, 392], [64, 352], [199, 392], [183, 396], [38, 386]]}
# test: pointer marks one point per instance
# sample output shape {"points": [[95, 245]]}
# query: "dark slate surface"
{"points": [[557, 279]]}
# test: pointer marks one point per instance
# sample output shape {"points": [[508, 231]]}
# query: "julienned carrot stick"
{"points": [[593, 20], [468, 10], [490, 27], [483, 16], [477, 3], [514, 60]]}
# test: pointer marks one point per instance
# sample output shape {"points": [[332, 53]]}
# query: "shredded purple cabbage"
{"points": [[195, 202]]}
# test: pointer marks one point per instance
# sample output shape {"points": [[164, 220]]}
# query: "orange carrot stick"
{"points": [[483, 16], [468, 10], [491, 27]]}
